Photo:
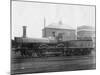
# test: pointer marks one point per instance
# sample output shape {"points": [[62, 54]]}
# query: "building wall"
{"points": [[85, 33], [68, 34]]}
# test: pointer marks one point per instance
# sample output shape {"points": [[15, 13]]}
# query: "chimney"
{"points": [[24, 31]]}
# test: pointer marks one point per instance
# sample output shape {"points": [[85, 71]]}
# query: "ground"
{"points": [[52, 64]]}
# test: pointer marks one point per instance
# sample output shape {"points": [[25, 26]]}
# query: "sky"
{"points": [[32, 15]]}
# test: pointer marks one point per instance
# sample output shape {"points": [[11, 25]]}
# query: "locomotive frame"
{"points": [[66, 48]]}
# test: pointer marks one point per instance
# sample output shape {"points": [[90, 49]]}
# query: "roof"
{"points": [[59, 26], [85, 28]]}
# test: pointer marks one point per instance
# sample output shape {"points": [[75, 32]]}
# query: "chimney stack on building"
{"points": [[24, 31]]}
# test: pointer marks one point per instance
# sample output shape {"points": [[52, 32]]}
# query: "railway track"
{"points": [[49, 64]]}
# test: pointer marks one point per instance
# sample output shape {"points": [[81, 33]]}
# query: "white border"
{"points": [[5, 37]]}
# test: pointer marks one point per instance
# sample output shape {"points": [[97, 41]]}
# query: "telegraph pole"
{"points": [[44, 27]]}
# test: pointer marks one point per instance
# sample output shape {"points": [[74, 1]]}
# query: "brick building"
{"points": [[59, 31], [85, 32]]}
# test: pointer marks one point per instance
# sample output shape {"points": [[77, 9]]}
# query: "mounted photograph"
{"points": [[52, 37]]}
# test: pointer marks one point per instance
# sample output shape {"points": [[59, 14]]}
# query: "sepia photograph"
{"points": [[52, 37]]}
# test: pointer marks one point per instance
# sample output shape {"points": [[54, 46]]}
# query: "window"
{"points": [[53, 34]]}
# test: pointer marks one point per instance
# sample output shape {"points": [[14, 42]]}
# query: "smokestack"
{"points": [[24, 31]]}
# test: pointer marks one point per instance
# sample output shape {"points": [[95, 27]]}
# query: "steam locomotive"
{"points": [[29, 47]]}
